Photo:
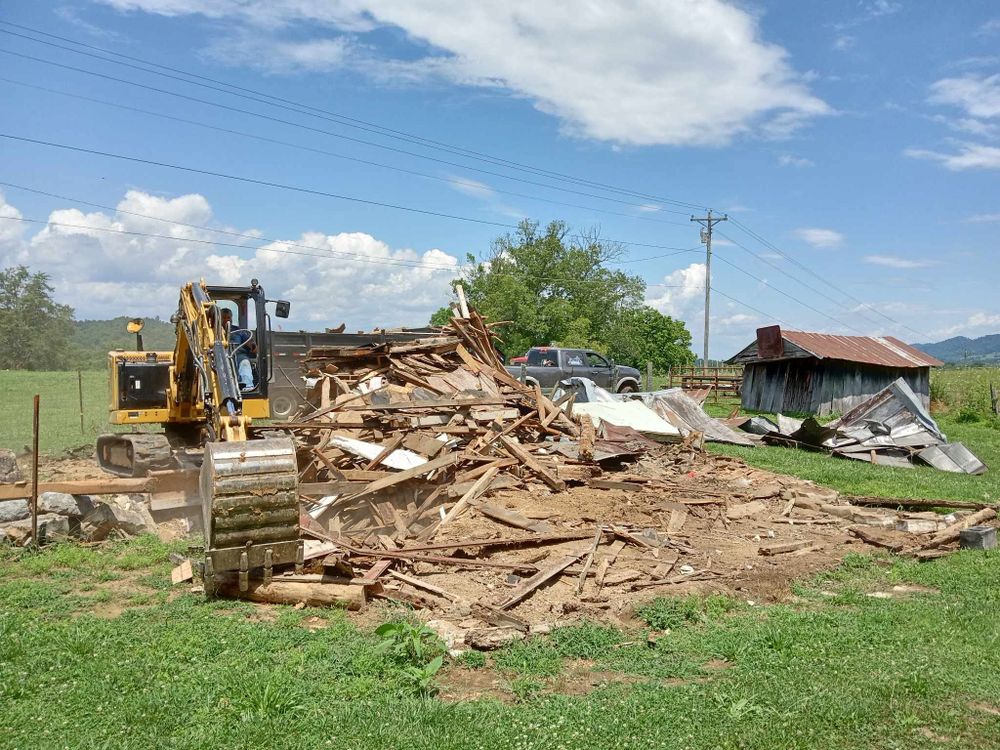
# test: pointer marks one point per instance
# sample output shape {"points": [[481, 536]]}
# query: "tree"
{"points": [[643, 335], [553, 288], [35, 330]]}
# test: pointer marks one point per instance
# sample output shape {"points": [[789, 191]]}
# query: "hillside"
{"points": [[965, 350], [93, 339]]}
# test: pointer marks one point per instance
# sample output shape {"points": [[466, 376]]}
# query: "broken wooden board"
{"points": [[527, 587]]}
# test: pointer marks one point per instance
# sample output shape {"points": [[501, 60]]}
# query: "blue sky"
{"points": [[858, 140]]}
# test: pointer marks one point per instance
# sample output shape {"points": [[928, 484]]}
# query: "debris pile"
{"points": [[891, 428], [405, 430]]}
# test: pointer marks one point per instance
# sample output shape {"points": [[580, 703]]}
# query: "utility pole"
{"points": [[707, 222]]}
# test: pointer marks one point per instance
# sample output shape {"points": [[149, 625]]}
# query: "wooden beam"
{"points": [[474, 491], [160, 482], [516, 450], [528, 587]]}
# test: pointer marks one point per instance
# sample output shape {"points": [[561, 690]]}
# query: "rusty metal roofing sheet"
{"points": [[887, 351]]}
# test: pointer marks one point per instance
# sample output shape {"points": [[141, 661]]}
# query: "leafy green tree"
{"points": [[35, 330], [643, 335], [553, 288]]}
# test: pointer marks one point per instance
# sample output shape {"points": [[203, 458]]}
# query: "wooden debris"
{"points": [[781, 548], [951, 533], [527, 587]]}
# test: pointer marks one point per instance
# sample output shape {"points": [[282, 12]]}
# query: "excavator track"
{"points": [[134, 454], [251, 507]]}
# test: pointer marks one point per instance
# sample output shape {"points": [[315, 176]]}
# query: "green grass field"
{"points": [[96, 651], [60, 409]]}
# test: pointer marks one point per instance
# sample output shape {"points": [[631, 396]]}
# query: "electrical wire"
{"points": [[321, 131], [789, 296], [457, 183], [295, 188], [309, 110], [233, 90], [779, 251]]}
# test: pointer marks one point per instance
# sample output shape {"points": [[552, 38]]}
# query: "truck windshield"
{"points": [[543, 358]]}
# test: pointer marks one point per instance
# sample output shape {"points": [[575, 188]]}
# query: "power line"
{"points": [[454, 182], [797, 280], [790, 296], [808, 270], [341, 119], [232, 90], [327, 254], [321, 131], [751, 307], [295, 188]]}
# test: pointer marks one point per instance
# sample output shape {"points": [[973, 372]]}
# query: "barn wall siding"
{"points": [[822, 386]]}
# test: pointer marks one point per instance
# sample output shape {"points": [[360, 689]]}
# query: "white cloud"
{"points": [[893, 261], [10, 230], [978, 95], [983, 218], [791, 160], [330, 278], [990, 27], [818, 237], [969, 156], [976, 324], [629, 72], [681, 293], [844, 42], [472, 187]]}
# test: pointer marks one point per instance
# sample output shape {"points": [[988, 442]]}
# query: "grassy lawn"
{"points": [[859, 478], [60, 409], [97, 652]]}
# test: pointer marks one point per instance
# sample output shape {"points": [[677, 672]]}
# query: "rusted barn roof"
{"points": [[885, 351]]}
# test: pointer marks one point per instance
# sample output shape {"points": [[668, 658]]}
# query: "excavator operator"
{"points": [[242, 346]]}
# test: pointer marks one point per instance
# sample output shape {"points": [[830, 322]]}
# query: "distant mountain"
{"points": [[93, 339], [962, 349]]}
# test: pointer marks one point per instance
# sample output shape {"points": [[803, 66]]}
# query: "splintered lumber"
{"points": [[611, 484], [781, 548], [602, 570], [588, 436], [532, 463], [417, 471], [312, 594], [513, 518], [589, 561], [426, 586], [384, 453], [515, 541], [183, 572], [869, 537], [950, 534], [442, 559], [903, 502], [527, 587], [474, 491], [165, 481]]}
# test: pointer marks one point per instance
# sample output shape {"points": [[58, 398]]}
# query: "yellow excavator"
{"points": [[205, 394]]}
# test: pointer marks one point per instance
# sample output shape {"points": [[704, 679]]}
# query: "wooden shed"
{"points": [[818, 373]]}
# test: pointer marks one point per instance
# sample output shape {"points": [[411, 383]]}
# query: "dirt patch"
{"points": [[580, 678], [986, 708], [463, 684]]}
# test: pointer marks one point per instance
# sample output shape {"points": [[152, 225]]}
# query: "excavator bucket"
{"points": [[251, 508]]}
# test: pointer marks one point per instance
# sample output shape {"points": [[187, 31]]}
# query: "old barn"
{"points": [[818, 373]]}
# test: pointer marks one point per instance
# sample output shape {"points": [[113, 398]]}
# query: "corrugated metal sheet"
{"points": [[886, 351]]}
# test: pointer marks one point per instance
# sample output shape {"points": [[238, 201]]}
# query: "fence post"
{"points": [[34, 473], [79, 383], [649, 376]]}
